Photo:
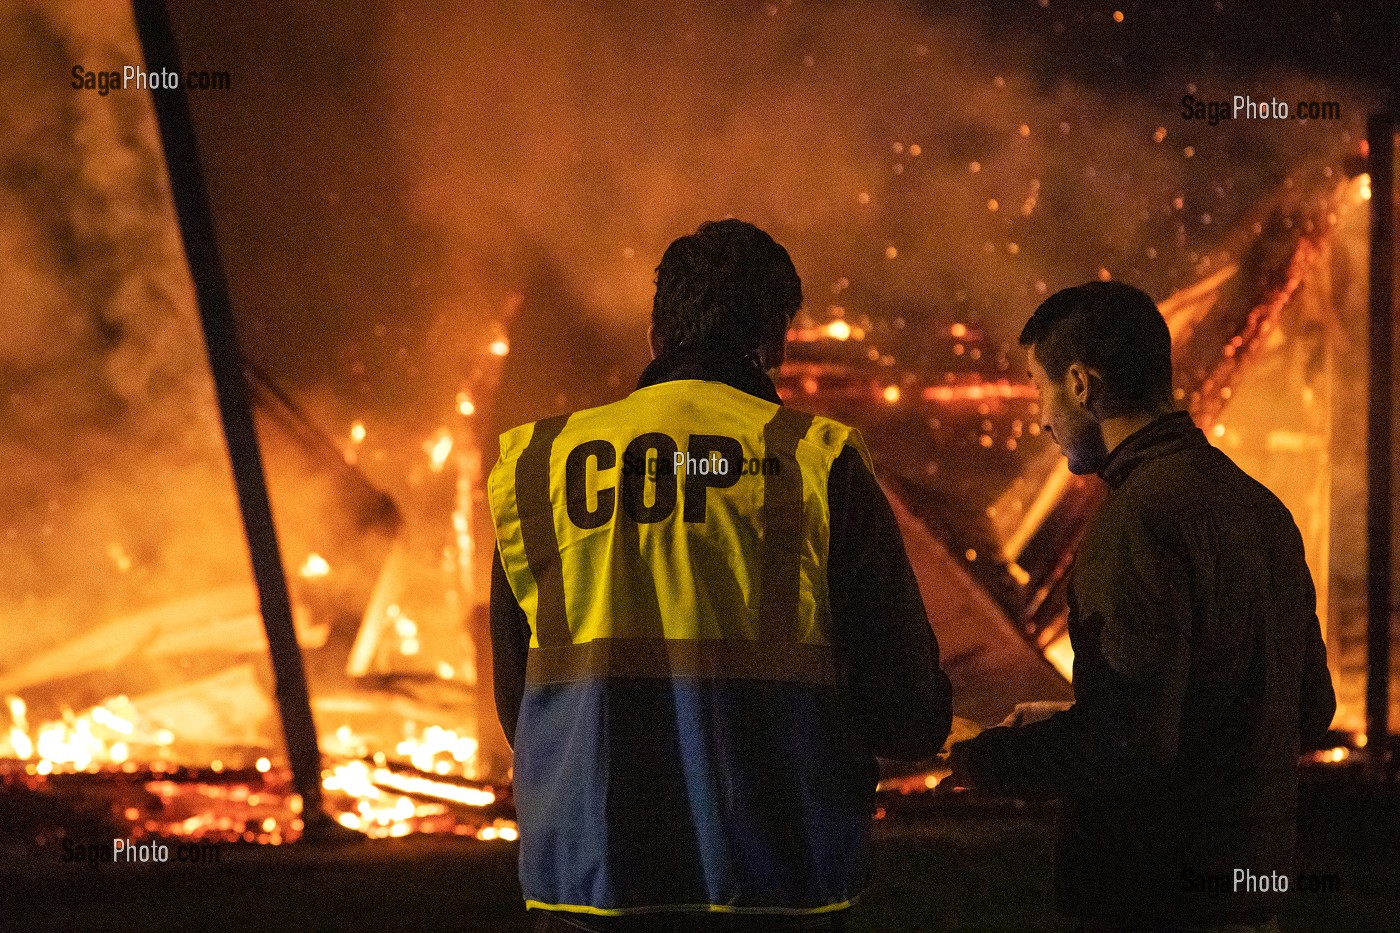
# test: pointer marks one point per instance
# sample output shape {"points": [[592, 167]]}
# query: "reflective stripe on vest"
{"points": [[679, 532]]}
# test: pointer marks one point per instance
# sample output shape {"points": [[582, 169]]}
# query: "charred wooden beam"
{"points": [[191, 199], [1380, 408]]}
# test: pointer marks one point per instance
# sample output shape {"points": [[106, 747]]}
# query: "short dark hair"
{"points": [[1110, 327], [728, 283]]}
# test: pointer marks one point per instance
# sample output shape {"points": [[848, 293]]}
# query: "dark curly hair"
{"points": [[1113, 328], [727, 283]]}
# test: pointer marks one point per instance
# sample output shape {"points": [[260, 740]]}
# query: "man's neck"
{"points": [[718, 364], [1118, 429]]}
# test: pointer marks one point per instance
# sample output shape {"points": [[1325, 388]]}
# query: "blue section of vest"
{"points": [[649, 792]]}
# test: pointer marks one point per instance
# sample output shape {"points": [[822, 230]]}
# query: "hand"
{"points": [[957, 760], [1026, 713], [962, 730]]}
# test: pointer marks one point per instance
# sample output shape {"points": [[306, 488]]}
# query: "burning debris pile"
{"points": [[115, 768], [190, 746], [1258, 365]]}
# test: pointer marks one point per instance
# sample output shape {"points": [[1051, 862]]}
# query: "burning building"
{"points": [[413, 268]]}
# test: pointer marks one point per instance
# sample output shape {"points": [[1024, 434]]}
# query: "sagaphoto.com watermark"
{"points": [[1246, 881], [1245, 107], [136, 78], [148, 851]]}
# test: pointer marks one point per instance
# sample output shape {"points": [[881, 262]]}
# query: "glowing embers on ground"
{"points": [[256, 807], [243, 806], [109, 734], [427, 785], [115, 763], [384, 802], [436, 741], [155, 799]]}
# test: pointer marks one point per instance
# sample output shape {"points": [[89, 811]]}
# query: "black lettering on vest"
{"points": [[576, 484], [634, 484], [724, 458]]}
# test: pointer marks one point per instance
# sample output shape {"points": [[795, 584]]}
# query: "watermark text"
{"points": [[134, 77], [1244, 107]]}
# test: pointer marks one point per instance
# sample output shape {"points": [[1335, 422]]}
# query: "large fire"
{"points": [[389, 770], [147, 690]]}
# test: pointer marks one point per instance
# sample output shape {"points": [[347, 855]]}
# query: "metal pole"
{"points": [[221, 341], [1380, 406]]}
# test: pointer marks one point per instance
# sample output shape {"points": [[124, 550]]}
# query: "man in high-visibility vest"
{"points": [[704, 628]]}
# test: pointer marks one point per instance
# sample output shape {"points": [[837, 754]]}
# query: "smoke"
{"points": [[398, 186], [915, 168], [395, 180], [117, 492]]}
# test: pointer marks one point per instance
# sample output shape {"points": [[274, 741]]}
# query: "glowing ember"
{"points": [[413, 784], [438, 448], [1330, 756], [119, 556], [314, 566], [20, 743], [431, 752], [501, 829]]}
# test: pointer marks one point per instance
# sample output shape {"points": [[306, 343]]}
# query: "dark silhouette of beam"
{"points": [[1380, 410], [191, 200]]}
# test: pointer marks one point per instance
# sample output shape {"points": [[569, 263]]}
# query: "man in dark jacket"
{"points": [[1199, 666], [696, 688]]}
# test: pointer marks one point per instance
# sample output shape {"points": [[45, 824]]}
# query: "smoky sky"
{"points": [[392, 178], [396, 186]]}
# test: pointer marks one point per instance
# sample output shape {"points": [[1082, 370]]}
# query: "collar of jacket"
{"points": [[1162, 435], [712, 363]]}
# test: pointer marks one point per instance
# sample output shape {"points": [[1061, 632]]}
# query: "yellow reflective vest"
{"points": [[669, 552]]}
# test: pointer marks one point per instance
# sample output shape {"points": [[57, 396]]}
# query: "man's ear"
{"points": [[773, 348], [1080, 381], [652, 341]]}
